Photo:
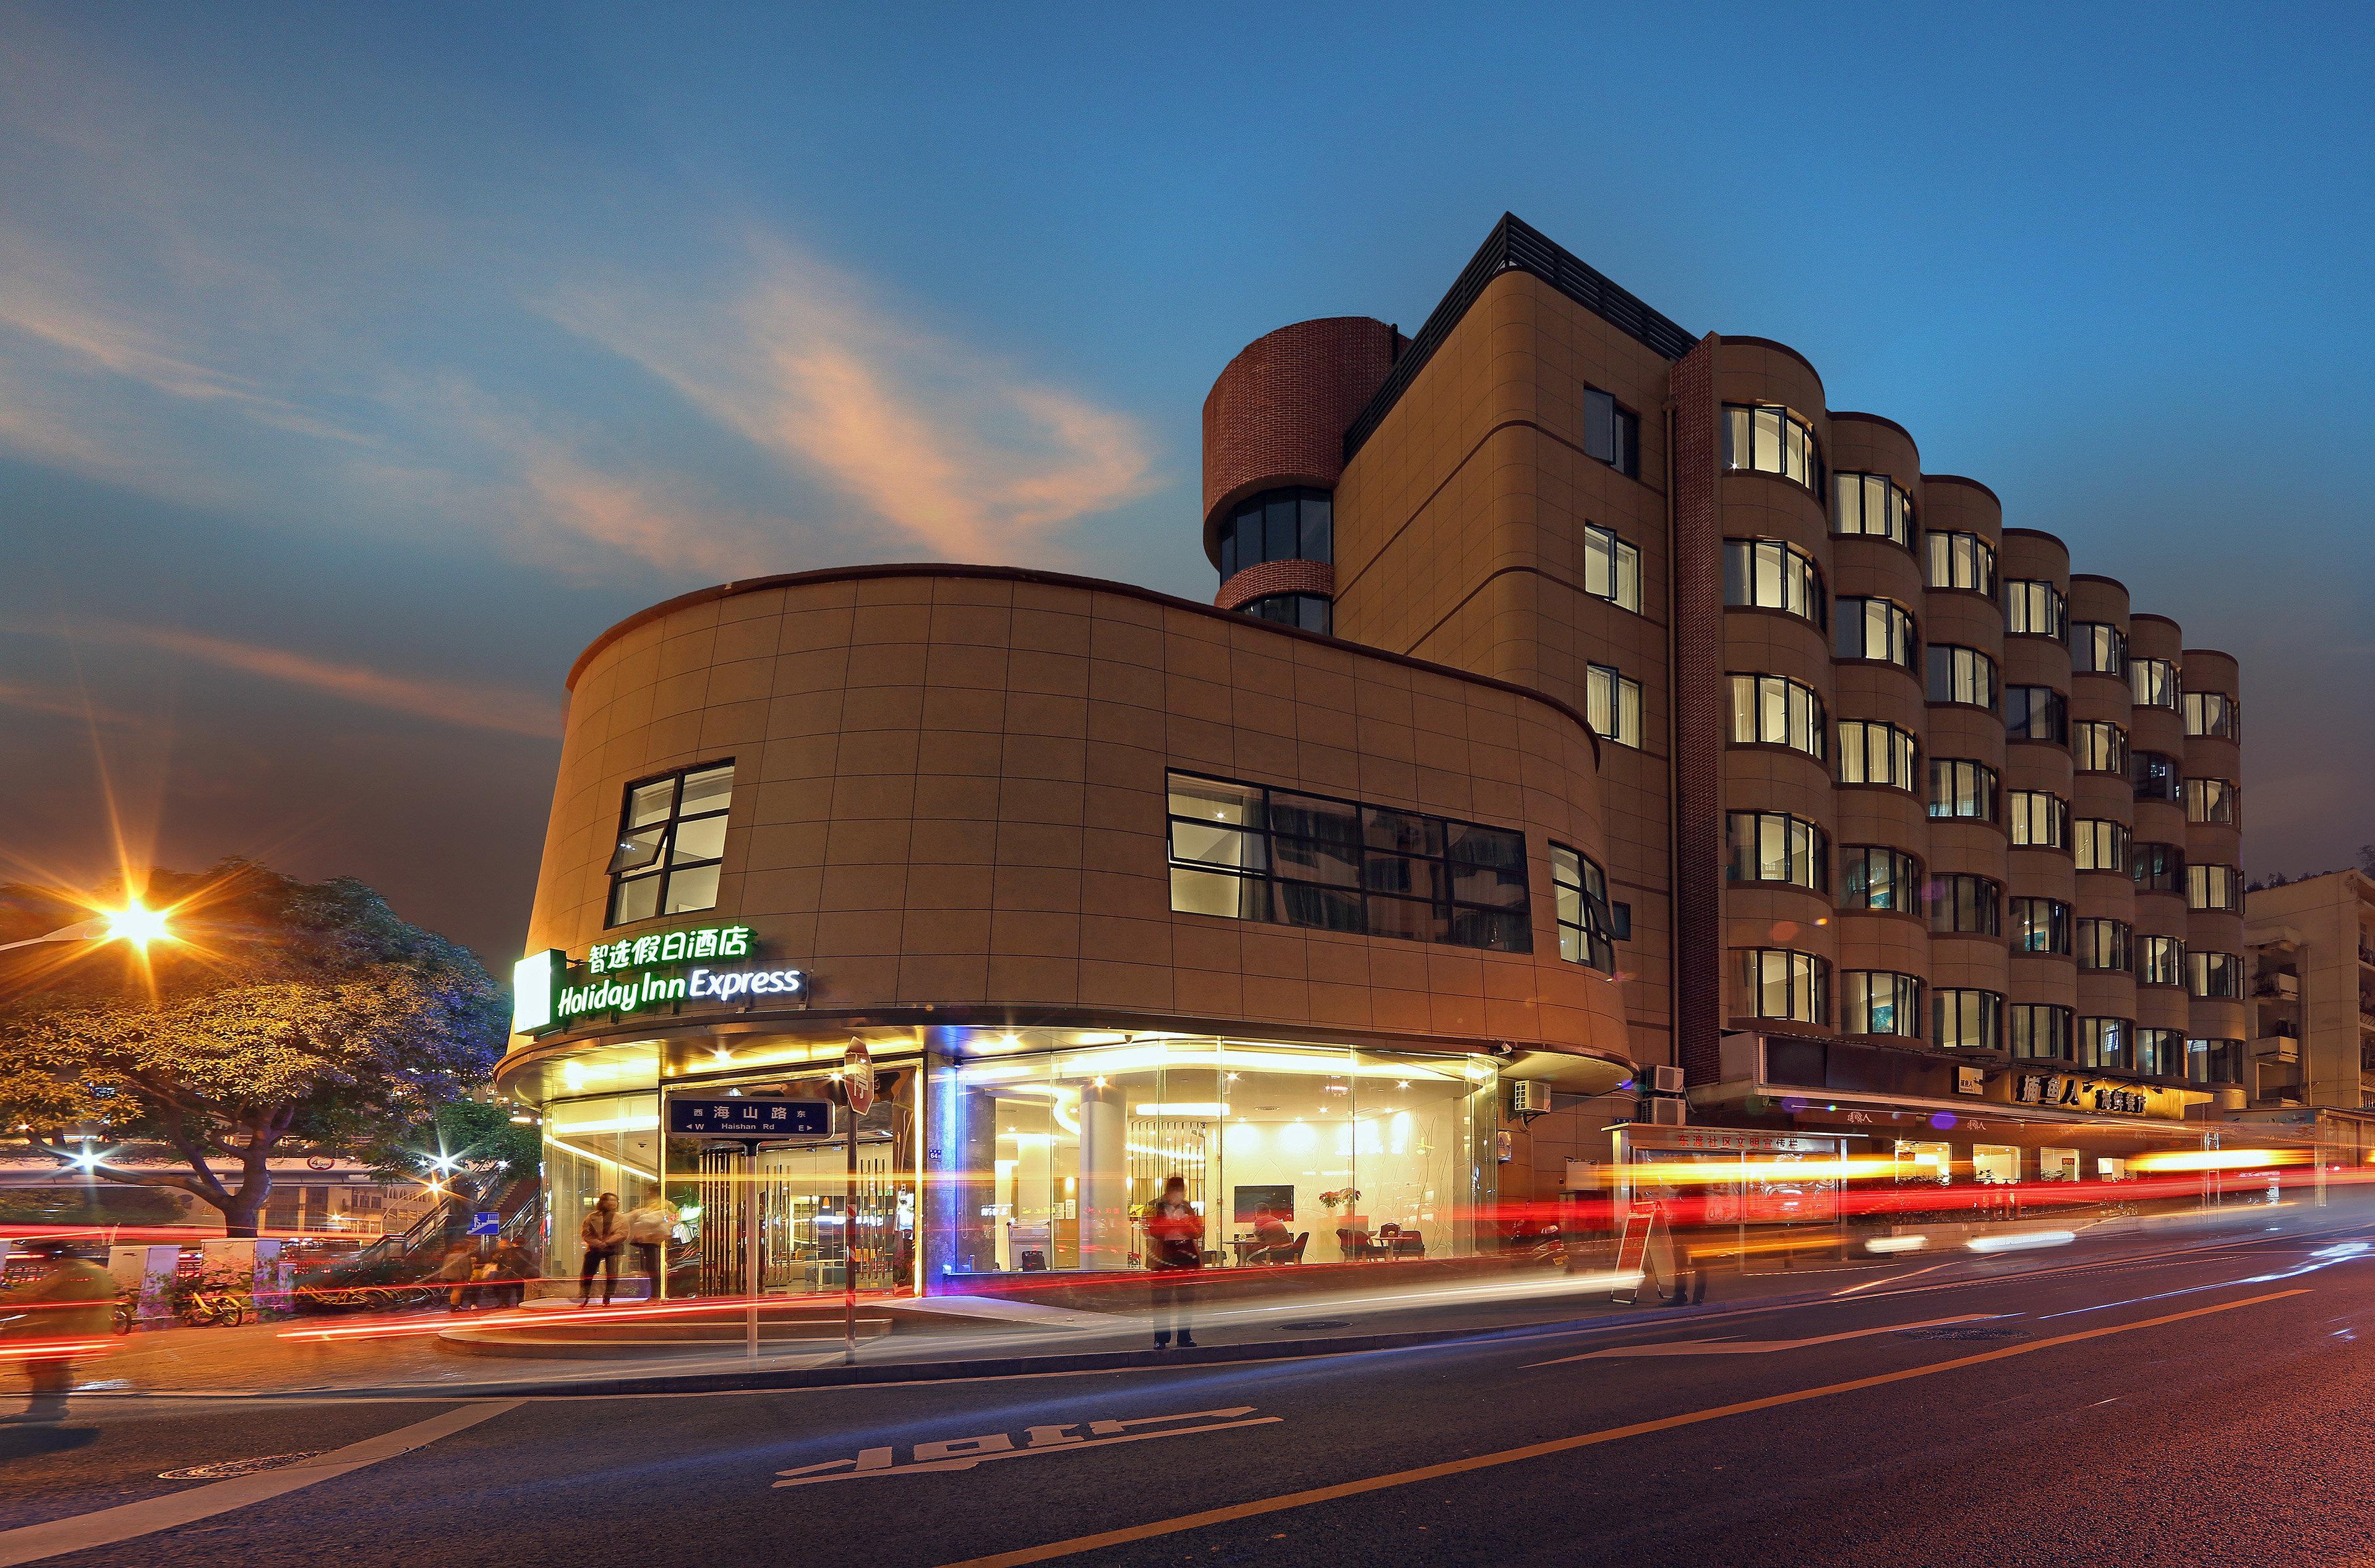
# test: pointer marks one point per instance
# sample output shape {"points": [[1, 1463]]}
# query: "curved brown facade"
{"points": [[1276, 415]]}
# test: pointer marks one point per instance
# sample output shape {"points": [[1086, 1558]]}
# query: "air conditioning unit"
{"points": [[1670, 1080], [1668, 1112], [1529, 1099]]}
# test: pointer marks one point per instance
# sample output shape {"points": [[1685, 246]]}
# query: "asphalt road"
{"points": [[2207, 1405]]}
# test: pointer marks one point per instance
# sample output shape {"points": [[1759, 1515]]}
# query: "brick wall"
{"points": [[1699, 697], [1277, 577], [1278, 412]]}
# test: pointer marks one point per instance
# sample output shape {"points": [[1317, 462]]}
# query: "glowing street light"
{"points": [[135, 923]]}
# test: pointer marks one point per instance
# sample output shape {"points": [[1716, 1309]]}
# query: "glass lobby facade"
{"points": [[993, 1154]]}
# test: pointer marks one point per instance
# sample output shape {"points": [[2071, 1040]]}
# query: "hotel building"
{"points": [[1582, 698]]}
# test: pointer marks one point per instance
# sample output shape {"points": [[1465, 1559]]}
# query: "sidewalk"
{"points": [[414, 1361]]}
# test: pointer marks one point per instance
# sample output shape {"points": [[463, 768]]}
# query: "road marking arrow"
{"points": [[964, 1452]]}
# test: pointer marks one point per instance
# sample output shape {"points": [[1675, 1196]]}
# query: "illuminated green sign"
{"points": [[704, 964]]}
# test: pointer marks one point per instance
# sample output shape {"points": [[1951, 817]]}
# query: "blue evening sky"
{"points": [[358, 364]]}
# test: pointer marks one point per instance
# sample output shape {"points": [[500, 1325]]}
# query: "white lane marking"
{"points": [[125, 1521], [1754, 1347], [964, 1452]]}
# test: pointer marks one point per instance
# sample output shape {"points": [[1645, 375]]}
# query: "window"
{"points": [[1772, 709], [2215, 975], [1612, 432], [2213, 712], [2214, 887], [2156, 776], [2040, 1031], [2160, 961], [2101, 844], [1771, 846], [1878, 1002], [2098, 745], [2213, 1061], [2153, 682], [2104, 945], [1961, 675], [1771, 440], [1770, 574], [671, 838], [1613, 706], [1308, 611], [2160, 1051], [2034, 608], [1246, 853], [1959, 787], [1966, 1021], [1612, 569], [1874, 877], [2037, 712], [1966, 905], [2097, 647], [2159, 868], [1778, 982], [1293, 523], [1586, 933], [2040, 925], [2038, 820], [1871, 505], [1876, 629], [1871, 752], [1962, 561], [2103, 1041], [2209, 800]]}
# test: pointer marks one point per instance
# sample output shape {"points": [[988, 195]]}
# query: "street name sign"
{"points": [[748, 1117]]}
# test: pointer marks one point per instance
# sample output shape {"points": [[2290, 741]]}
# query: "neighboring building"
{"points": [[1583, 698], [311, 1196], [2312, 950]]}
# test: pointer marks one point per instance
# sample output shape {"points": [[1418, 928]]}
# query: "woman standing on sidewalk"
{"points": [[605, 1235], [1175, 1247]]}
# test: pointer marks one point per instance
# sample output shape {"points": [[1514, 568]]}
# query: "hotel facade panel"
{"points": [[1112, 884], [1581, 697]]}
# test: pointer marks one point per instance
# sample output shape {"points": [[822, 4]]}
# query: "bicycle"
{"points": [[205, 1307]]}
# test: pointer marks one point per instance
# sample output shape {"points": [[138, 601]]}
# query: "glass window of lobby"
{"points": [[672, 840]]}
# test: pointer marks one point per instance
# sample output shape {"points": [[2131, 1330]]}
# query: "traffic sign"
{"points": [[857, 1077], [486, 1222], [748, 1117]]}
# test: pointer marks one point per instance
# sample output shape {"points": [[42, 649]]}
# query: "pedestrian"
{"points": [[1175, 1238], [648, 1232], [604, 1233], [510, 1268], [67, 1314], [455, 1271]]}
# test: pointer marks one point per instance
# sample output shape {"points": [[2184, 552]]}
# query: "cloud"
{"points": [[58, 704], [954, 450], [502, 709]]}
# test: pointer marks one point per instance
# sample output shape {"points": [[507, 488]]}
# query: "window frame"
{"points": [[1612, 432], [1317, 526], [2021, 926], [1802, 841], [1607, 551], [2057, 715], [1963, 896], [1898, 526], [1801, 972], [1898, 630], [1861, 995], [664, 856], [2160, 954], [1748, 420], [2199, 890], [1965, 669], [1817, 716], [1904, 879], [2094, 642], [1984, 1007], [2098, 745], [2055, 603], [2228, 798], [2121, 836], [1307, 607], [1357, 885], [2021, 1041], [1593, 927], [1857, 739], [2160, 871], [2020, 818], [2103, 945], [1794, 574], [2107, 1042], [1969, 776], [2148, 677], [2227, 726], [1611, 692], [2200, 968], [1957, 553]]}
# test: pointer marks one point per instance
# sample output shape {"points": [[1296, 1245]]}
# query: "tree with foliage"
{"points": [[471, 1148], [279, 1014]]}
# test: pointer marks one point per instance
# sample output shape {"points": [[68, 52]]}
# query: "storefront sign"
{"points": [[1970, 1080], [658, 971], [1771, 1143], [2065, 1091]]}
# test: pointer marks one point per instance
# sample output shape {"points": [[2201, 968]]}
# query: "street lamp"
{"points": [[135, 923]]}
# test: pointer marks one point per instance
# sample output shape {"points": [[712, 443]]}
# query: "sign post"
{"points": [[751, 1121], [857, 1089]]}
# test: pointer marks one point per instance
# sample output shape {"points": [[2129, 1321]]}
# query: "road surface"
{"points": [[2204, 1404]]}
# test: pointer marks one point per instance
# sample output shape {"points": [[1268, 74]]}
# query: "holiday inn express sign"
{"points": [[704, 964]]}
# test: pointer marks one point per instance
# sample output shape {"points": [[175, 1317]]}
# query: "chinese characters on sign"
{"points": [[2060, 1088], [750, 1116], [669, 946]]}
